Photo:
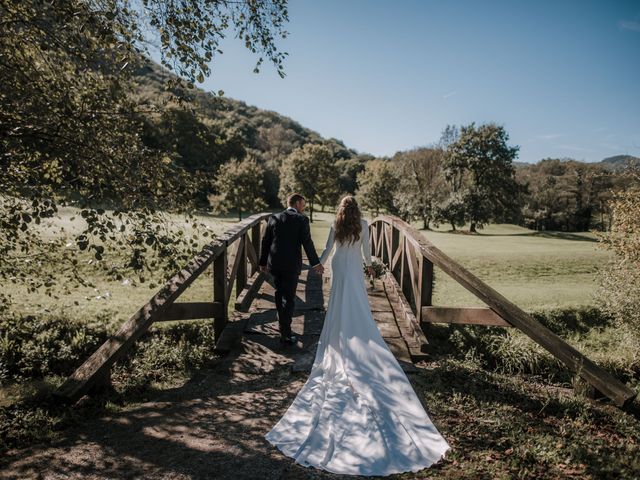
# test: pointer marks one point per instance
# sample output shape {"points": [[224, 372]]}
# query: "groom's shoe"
{"points": [[290, 340]]}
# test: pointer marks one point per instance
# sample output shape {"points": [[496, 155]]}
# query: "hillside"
{"points": [[201, 131], [619, 162]]}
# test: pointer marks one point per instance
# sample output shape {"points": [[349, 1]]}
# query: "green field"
{"points": [[476, 376], [535, 270]]}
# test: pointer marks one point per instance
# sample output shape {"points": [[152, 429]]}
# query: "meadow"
{"points": [[477, 377]]}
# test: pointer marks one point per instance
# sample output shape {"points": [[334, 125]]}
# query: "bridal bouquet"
{"points": [[378, 267]]}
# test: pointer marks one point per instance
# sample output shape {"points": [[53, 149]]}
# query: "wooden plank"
{"points": [[254, 250], [463, 316], [241, 276], [577, 362], [410, 329], [98, 364], [412, 262], [190, 311], [237, 259], [249, 293], [252, 256], [380, 242], [220, 292], [425, 285]]}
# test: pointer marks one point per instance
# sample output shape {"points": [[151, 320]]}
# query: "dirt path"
{"points": [[213, 426]]}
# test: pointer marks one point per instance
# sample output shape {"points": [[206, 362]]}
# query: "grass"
{"points": [[501, 399], [535, 270]]}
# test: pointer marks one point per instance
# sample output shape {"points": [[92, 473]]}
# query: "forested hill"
{"points": [[620, 162], [201, 131]]}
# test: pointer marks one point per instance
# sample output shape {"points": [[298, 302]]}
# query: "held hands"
{"points": [[263, 268], [372, 271], [319, 268]]}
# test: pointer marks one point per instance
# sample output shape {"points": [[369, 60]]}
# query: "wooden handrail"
{"points": [[95, 371], [398, 244]]}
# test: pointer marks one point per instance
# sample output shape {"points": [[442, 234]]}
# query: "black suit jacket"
{"points": [[285, 233]]}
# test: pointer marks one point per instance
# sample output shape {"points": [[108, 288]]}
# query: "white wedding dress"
{"points": [[357, 413]]}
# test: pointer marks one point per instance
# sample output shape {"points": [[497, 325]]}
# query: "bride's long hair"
{"points": [[348, 217]]}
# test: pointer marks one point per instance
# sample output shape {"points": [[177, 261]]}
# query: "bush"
{"points": [[32, 347]]}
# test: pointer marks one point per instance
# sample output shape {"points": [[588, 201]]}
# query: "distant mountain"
{"points": [[616, 163], [619, 162]]}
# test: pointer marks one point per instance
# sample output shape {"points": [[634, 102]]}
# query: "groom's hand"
{"points": [[263, 268], [319, 268]]}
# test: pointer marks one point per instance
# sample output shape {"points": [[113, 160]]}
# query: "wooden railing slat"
{"points": [[463, 316], [577, 362]]}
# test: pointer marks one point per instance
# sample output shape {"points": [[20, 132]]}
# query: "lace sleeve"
{"points": [[366, 252], [329, 246]]}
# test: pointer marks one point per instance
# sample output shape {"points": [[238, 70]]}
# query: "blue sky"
{"points": [[563, 77]]}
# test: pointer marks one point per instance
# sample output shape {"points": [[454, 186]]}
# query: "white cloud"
{"points": [[549, 136], [574, 147], [447, 95], [629, 25]]}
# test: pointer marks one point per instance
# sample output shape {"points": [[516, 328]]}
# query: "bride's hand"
{"points": [[372, 271]]}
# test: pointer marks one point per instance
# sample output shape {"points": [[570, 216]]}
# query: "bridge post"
{"points": [[425, 268], [241, 277], [220, 292], [256, 238]]}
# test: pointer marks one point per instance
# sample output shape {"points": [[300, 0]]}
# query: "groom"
{"points": [[280, 255]]}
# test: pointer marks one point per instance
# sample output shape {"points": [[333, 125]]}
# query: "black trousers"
{"points": [[285, 296]]}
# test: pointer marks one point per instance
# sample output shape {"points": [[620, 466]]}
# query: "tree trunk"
{"points": [[472, 227], [239, 214], [311, 211], [425, 223], [453, 226]]}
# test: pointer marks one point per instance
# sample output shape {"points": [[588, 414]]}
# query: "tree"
{"points": [[480, 165], [349, 170], [71, 130], [451, 210], [310, 171], [565, 194], [620, 281], [421, 183], [376, 185], [239, 187]]}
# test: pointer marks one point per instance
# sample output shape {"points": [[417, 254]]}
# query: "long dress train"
{"points": [[357, 413]]}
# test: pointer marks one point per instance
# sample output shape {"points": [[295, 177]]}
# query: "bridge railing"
{"points": [[410, 258], [234, 259]]}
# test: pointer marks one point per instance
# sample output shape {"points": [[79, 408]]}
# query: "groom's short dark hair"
{"points": [[295, 198]]}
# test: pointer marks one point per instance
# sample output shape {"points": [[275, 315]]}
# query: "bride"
{"points": [[357, 413]]}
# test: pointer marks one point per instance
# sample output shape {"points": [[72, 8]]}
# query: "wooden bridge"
{"points": [[401, 302]]}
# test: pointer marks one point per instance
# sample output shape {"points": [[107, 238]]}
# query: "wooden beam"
{"points": [[577, 362], [241, 276], [425, 275], [220, 292], [191, 311], [97, 367], [249, 293], [252, 256], [98, 364], [408, 325], [254, 250], [238, 257], [463, 316]]}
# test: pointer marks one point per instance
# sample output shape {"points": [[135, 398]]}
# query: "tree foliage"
{"points": [[564, 194], [376, 186], [479, 166], [310, 171], [620, 282], [239, 186], [421, 183], [72, 129]]}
